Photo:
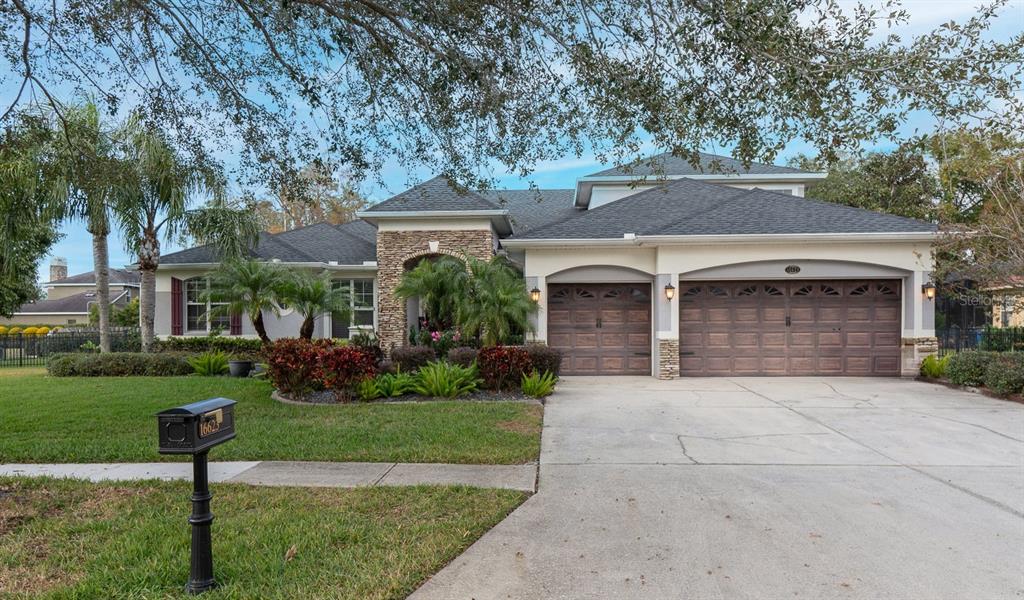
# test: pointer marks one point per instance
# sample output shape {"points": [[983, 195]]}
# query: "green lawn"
{"points": [[70, 539], [97, 419]]}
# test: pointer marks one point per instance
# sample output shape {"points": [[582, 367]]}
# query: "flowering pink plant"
{"points": [[435, 335]]}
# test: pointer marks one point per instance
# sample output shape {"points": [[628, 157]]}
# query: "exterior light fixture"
{"points": [[929, 290], [670, 291], [535, 295]]}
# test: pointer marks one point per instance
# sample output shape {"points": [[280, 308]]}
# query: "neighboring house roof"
{"points": [[345, 244], [437, 194], [668, 164], [117, 277], [690, 207], [74, 304]]}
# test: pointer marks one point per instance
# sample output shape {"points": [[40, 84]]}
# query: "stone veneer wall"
{"points": [[668, 359], [914, 351], [394, 248]]}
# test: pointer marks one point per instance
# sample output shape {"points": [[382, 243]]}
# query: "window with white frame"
{"points": [[361, 307], [198, 317]]}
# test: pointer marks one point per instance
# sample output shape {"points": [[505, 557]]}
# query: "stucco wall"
{"points": [[909, 261]]}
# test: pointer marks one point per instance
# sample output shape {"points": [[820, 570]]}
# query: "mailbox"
{"points": [[196, 427]]}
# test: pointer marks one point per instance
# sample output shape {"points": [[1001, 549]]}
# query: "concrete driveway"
{"points": [[762, 488]]}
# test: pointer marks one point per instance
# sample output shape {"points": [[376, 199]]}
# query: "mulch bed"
{"points": [[326, 397]]}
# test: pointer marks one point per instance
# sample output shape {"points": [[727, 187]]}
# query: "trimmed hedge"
{"points": [[545, 359], [1005, 373], [968, 367], [410, 358], [463, 356], [117, 364], [238, 347]]}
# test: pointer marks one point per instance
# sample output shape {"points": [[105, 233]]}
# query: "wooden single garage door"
{"points": [[790, 328], [601, 329]]}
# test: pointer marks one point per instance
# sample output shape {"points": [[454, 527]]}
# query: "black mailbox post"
{"points": [[194, 429]]}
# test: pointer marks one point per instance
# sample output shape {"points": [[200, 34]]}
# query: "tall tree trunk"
{"points": [[257, 324], [147, 307], [149, 260], [306, 331], [101, 270]]}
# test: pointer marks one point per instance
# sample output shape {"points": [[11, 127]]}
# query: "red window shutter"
{"points": [[176, 306], [236, 324]]}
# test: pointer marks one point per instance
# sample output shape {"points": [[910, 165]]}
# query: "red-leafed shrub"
{"points": [[342, 367], [503, 366], [293, 365]]}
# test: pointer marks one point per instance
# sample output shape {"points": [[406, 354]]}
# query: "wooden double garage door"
{"points": [[601, 329], [790, 328]]}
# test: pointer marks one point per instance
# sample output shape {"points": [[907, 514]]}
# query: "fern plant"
{"points": [[209, 363], [536, 385], [367, 390], [390, 385], [445, 380], [934, 367]]}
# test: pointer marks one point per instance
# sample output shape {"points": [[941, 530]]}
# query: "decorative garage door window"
{"points": [[790, 328]]}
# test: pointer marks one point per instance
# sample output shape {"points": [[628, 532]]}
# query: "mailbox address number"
{"points": [[210, 423]]}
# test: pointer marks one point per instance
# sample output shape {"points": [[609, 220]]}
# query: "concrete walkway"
{"points": [[304, 474], [761, 488]]}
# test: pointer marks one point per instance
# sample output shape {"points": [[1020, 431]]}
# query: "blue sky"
{"points": [[76, 246]]}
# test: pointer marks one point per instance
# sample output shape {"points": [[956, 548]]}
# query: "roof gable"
{"points": [[437, 194]]}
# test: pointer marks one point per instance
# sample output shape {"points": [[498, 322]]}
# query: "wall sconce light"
{"points": [[929, 290], [535, 295], [670, 291]]}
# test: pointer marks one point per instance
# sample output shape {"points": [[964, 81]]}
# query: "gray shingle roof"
{"points": [[437, 194], [117, 277], [76, 303], [710, 164], [690, 207], [529, 209], [347, 244]]}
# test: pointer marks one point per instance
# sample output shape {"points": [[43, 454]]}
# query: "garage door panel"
{"points": [[602, 328], [790, 327], [612, 340], [887, 313]]}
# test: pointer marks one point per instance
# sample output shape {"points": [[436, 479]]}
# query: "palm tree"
{"points": [[497, 303], [247, 286], [312, 295], [85, 158], [441, 285], [154, 203]]}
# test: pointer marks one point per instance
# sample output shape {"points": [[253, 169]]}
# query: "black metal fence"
{"points": [[1007, 339], [24, 350]]}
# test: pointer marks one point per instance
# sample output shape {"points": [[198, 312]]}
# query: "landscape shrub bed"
{"points": [[244, 348], [545, 359], [118, 364], [503, 366], [411, 358], [463, 356], [1000, 372], [1005, 373], [968, 367], [297, 366]]}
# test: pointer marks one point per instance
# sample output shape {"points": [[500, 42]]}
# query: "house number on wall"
{"points": [[793, 269]]}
